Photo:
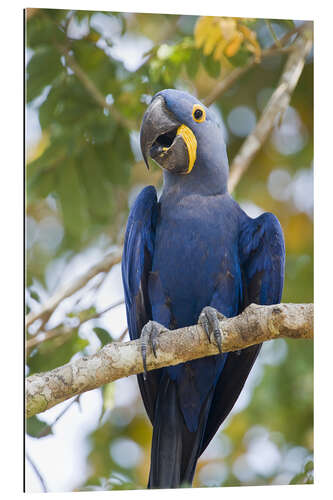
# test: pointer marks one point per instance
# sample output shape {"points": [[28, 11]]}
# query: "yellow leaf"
{"points": [[234, 46], [202, 29], [219, 49], [225, 35], [212, 39], [252, 39]]}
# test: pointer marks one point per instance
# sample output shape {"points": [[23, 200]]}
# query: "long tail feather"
{"points": [[175, 450]]}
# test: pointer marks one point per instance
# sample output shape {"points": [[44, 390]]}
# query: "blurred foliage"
{"points": [[90, 76], [227, 37]]}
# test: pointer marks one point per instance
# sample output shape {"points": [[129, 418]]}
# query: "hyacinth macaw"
{"points": [[192, 255]]}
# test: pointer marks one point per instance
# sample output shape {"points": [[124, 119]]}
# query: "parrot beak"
{"points": [[165, 139]]}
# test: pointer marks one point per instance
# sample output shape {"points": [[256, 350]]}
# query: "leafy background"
{"points": [[90, 76]]}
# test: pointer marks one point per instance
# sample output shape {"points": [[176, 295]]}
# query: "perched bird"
{"points": [[192, 255]]}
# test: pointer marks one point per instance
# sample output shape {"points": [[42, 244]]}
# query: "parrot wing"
{"points": [[136, 266], [262, 255]]}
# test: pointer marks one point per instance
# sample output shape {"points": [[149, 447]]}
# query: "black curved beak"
{"points": [[158, 131]]}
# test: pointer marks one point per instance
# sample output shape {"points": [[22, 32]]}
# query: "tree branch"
{"points": [[238, 72], [117, 360], [50, 305], [41, 337], [94, 91], [38, 474], [277, 105]]}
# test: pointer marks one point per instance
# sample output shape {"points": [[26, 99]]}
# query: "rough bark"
{"points": [[116, 360]]}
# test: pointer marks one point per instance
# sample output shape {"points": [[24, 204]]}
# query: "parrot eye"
{"points": [[198, 113]]}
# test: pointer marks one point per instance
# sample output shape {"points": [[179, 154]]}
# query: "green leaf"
{"points": [[43, 68], [96, 64], [98, 128], [37, 428], [41, 30], [117, 157], [192, 64], [41, 173], [67, 104], [108, 392], [73, 201], [98, 189], [212, 67], [308, 467], [241, 57], [87, 55], [34, 295], [103, 335]]}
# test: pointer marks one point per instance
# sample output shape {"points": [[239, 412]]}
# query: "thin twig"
{"points": [[237, 73], [83, 77], [48, 427], [94, 91], [272, 32], [38, 474], [123, 335], [50, 305], [276, 105], [62, 330]]}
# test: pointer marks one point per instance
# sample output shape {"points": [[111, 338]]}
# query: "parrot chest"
{"points": [[195, 258]]}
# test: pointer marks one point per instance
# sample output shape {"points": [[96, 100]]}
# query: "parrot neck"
{"points": [[208, 177]]}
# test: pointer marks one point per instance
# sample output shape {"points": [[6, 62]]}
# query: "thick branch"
{"points": [[277, 105], [117, 360], [47, 309]]}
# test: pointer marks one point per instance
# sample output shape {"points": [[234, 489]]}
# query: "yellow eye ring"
{"points": [[198, 113]]}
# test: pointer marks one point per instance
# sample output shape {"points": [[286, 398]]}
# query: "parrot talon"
{"points": [[149, 335], [204, 323], [210, 319]]}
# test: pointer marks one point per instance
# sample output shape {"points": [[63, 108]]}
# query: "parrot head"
{"points": [[181, 135]]}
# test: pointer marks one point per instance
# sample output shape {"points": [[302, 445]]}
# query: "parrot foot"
{"points": [[210, 319], [149, 334]]}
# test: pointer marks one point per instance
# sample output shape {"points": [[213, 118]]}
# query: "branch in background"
{"points": [[38, 474], [123, 334], [50, 305], [117, 360], [65, 331], [237, 73], [88, 84], [276, 106], [49, 427], [272, 32], [94, 91]]}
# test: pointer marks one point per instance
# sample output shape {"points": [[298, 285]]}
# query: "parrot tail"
{"points": [[175, 450]]}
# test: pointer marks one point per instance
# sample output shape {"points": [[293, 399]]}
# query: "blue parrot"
{"points": [[193, 255]]}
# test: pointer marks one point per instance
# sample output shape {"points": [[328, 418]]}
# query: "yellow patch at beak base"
{"points": [[191, 144]]}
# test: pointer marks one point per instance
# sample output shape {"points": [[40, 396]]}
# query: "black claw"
{"points": [[148, 336], [209, 320], [218, 339], [204, 323], [153, 345], [144, 359]]}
